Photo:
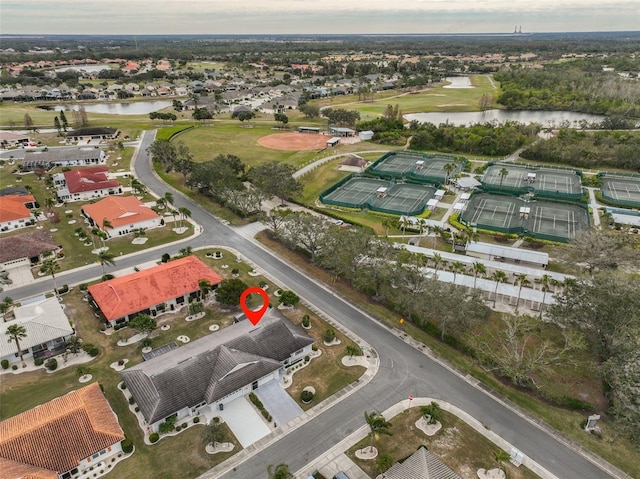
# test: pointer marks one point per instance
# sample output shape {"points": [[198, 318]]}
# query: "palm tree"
{"points": [[503, 173], [106, 258], [205, 287], [501, 456], [49, 202], [479, 269], [404, 222], [386, 224], [457, 267], [281, 471], [438, 231], [523, 281], [378, 425], [6, 305], [106, 224], [186, 251], [437, 261], [184, 214], [499, 277], [160, 203], [422, 225], [16, 332], [168, 197], [138, 187], [545, 282], [51, 266], [448, 169]]}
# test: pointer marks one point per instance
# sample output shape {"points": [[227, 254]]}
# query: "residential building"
{"points": [[152, 291], [63, 157], [122, 214], [419, 465], [85, 184], [15, 211], [27, 249], [47, 330], [204, 375], [13, 139], [62, 438], [92, 133]]}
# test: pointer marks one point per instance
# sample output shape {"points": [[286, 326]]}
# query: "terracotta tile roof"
{"points": [[15, 470], [12, 207], [89, 179], [26, 245], [119, 211], [57, 435], [135, 292]]}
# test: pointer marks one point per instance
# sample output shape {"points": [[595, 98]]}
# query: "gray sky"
{"points": [[308, 16]]}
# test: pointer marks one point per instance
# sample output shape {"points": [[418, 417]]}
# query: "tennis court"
{"points": [[493, 212], [434, 169], [398, 163], [355, 193], [547, 219], [514, 178], [623, 190], [564, 183], [405, 199], [567, 183]]}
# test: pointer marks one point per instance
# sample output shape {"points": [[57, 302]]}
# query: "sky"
{"points": [[308, 16]]}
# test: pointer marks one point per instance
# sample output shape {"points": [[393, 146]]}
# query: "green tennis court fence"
{"points": [[533, 166]]}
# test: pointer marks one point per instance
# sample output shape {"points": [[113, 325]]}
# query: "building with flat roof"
{"points": [[46, 160], [501, 253]]}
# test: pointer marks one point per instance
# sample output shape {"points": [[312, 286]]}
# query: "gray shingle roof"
{"points": [[420, 465], [212, 367]]}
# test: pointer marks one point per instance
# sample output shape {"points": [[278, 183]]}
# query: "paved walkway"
{"points": [[595, 206]]}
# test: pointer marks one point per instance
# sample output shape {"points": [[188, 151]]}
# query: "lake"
{"points": [[131, 108], [545, 118]]}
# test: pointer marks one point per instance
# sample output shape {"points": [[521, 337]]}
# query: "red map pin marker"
{"points": [[254, 316]]}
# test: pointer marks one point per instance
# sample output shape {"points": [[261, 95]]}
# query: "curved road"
{"points": [[403, 370]]}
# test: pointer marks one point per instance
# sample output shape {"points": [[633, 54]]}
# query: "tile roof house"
{"points": [[65, 436], [125, 214], [63, 157], [420, 465], [204, 375], [15, 211], [47, 329], [85, 184], [152, 291], [26, 248]]}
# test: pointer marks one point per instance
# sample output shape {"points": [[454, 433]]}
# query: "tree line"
{"points": [[600, 150], [226, 179]]}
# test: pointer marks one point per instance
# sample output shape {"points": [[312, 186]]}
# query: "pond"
{"points": [[545, 118], [130, 108], [458, 82]]}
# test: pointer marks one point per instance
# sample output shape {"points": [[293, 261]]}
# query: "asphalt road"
{"points": [[403, 370]]}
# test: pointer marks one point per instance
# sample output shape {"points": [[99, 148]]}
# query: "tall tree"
{"points": [[64, 121], [28, 122], [275, 179], [16, 333], [57, 125], [545, 284], [106, 258], [479, 269], [143, 324], [51, 266], [377, 425], [503, 173], [522, 281], [601, 250], [498, 276], [229, 291]]}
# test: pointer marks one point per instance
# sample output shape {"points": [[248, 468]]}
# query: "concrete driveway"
{"points": [[244, 421], [277, 401]]}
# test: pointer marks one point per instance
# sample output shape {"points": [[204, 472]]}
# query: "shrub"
{"points": [[127, 446], [123, 386], [153, 437], [51, 364], [137, 409], [178, 428], [307, 359], [83, 287], [5, 364], [64, 289], [329, 335], [196, 420], [131, 400], [306, 321], [314, 347], [165, 258], [91, 349], [120, 362], [14, 367], [306, 396], [184, 425], [235, 271], [38, 362]]}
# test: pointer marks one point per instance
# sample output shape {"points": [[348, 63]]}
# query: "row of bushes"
{"points": [[257, 403]]}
